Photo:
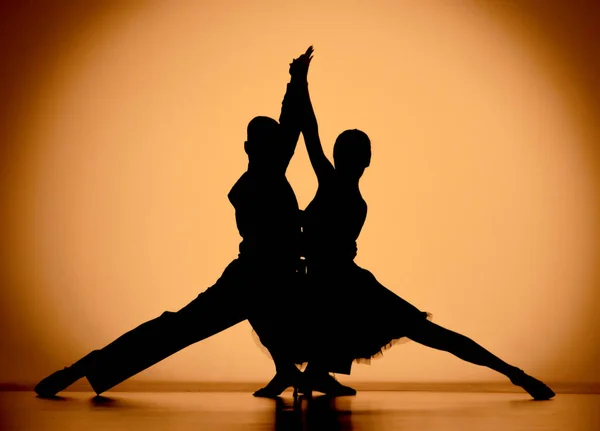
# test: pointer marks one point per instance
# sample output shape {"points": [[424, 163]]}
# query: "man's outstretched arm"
{"points": [[292, 107]]}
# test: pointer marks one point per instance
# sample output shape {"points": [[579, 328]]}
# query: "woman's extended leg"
{"points": [[431, 335]]}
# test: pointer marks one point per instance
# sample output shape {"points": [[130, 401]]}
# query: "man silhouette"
{"points": [[257, 286]]}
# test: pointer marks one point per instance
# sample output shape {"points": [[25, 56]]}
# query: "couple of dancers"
{"points": [[324, 310]]}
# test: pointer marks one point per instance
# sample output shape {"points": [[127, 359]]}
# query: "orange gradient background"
{"points": [[122, 130]]}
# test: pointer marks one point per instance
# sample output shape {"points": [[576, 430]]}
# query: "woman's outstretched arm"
{"points": [[310, 129]]}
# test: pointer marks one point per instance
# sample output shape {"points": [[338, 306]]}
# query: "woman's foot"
{"points": [[57, 382], [537, 389], [325, 383], [279, 383]]}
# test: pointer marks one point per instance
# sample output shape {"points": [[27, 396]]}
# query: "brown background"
{"points": [[122, 126]]}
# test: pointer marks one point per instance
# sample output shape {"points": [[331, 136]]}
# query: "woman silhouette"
{"points": [[352, 316]]}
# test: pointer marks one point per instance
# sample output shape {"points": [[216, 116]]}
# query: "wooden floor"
{"points": [[374, 411]]}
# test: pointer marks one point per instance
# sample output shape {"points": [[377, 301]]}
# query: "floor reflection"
{"points": [[371, 411], [316, 413]]}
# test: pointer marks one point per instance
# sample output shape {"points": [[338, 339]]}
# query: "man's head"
{"points": [[263, 143], [352, 153]]}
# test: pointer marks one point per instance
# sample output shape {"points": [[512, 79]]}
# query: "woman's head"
{"points": [[352, 153]]}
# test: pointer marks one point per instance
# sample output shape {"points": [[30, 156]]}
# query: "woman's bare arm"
{"points": [[310, 130]]}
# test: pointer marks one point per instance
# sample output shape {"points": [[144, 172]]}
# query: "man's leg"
{"points": [[219, 307], [271, 330], [291, 339], [275, 321]]}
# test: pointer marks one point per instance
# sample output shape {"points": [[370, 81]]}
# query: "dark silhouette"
{"points": [[255, 286], [353, 316]]}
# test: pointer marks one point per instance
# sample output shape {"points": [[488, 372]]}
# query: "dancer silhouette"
{"points": [[255, 286], [352, 316]]}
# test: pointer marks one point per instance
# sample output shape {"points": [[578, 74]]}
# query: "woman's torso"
{"points": [[332, 223]]}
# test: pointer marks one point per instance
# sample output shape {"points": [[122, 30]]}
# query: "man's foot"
{"points": [[57, 382], [537, 389], [280, 383], [326, 383]]}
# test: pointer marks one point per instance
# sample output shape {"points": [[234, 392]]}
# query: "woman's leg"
{"points": [[431, 335]]}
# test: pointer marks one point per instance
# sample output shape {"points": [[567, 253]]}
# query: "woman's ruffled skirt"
{"points": [[343, 314]]}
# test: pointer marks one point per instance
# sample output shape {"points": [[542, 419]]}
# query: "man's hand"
{"points": [[299, 66]]}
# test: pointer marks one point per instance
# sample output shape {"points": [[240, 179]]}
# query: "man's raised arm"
{"points": [[292, 107]]}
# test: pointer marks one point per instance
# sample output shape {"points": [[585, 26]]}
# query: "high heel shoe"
{"points": [[279, 383], [325, 383]]}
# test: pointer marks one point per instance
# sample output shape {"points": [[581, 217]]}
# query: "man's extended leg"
{"points": [[219, 307]]}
